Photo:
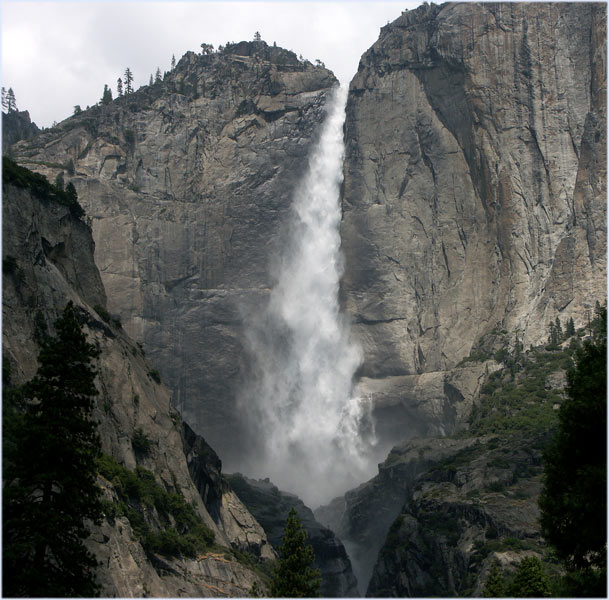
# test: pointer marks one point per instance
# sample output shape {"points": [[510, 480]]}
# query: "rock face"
{"points": [[17, 125], [476, 504], [475, 184], [270, 506], [437, 514], [187, 183], [48, 260], [442, 509]]}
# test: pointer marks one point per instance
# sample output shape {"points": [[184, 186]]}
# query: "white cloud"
{"points": [[59, 54]]}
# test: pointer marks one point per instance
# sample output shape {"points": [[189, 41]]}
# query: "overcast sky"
{"points": [[59, 54]]}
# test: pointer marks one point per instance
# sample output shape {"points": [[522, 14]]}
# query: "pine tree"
{"points": [[558, 329], [257, 37], [49, 471], [151, 81], [173, 62], [157, 76], [573, 501], [294, 576], [531, 580], [106, 95], [128, 81], [4, 99], [11, 102], [570, 328], [72, 200], [119, 87], [494, 586]]}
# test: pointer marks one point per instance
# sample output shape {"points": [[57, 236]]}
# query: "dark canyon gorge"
{"points": [[380, 362]]}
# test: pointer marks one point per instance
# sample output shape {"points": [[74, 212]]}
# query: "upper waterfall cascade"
{"points": [[315, 428]]}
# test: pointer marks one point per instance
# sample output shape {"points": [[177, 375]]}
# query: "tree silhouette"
{"points": [[494, 586], [107, 95], [531, 580], [11, 102], [119, 87], [294, 576], [573, 501], [128, 81], [50, 449]]}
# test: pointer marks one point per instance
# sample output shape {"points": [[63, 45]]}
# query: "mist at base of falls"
{"points": [[314, 434]]}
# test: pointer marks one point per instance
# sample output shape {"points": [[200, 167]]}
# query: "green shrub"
{"points": [[183, 532], [140, 442], [40, 187], [102, 312], [155, 375]]}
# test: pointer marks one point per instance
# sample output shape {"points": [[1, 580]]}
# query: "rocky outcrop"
{"points": [[17, 125], [475, 505], [271, 506], [186, 183], [441, 510], [47, 261], [475, 183], [437, 514], [220, 500], [362, 518]]}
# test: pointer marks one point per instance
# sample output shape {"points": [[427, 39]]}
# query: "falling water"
{"points": [[314, 429]]}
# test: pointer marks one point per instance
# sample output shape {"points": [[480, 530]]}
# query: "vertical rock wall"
{"points": [[475, 179], [47, 261], [474, 195], [187, 183]]}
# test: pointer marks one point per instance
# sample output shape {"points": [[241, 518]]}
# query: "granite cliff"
{"points": [[47, 261], [473, 201], [17, 125], [186, 183], [474, 194], [474, 213], [474, 206]]}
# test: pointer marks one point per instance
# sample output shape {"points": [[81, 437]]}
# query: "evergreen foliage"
{"points": [[11, 102], [573, 501], [106, 95], [119, 87], [530, 581], [294, 576], [157, 76], [40, 186], [50, 449], [183, 532], [570, 328], [494, 586], [128, 81]]}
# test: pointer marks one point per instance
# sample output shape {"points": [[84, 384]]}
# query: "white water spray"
{"points": [[315, 431]]}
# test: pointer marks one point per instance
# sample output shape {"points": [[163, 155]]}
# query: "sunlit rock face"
{"points": [[187, 183], [475, 186]]}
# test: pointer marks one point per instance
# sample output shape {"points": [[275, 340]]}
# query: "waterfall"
{"points": [[314, 429]]}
